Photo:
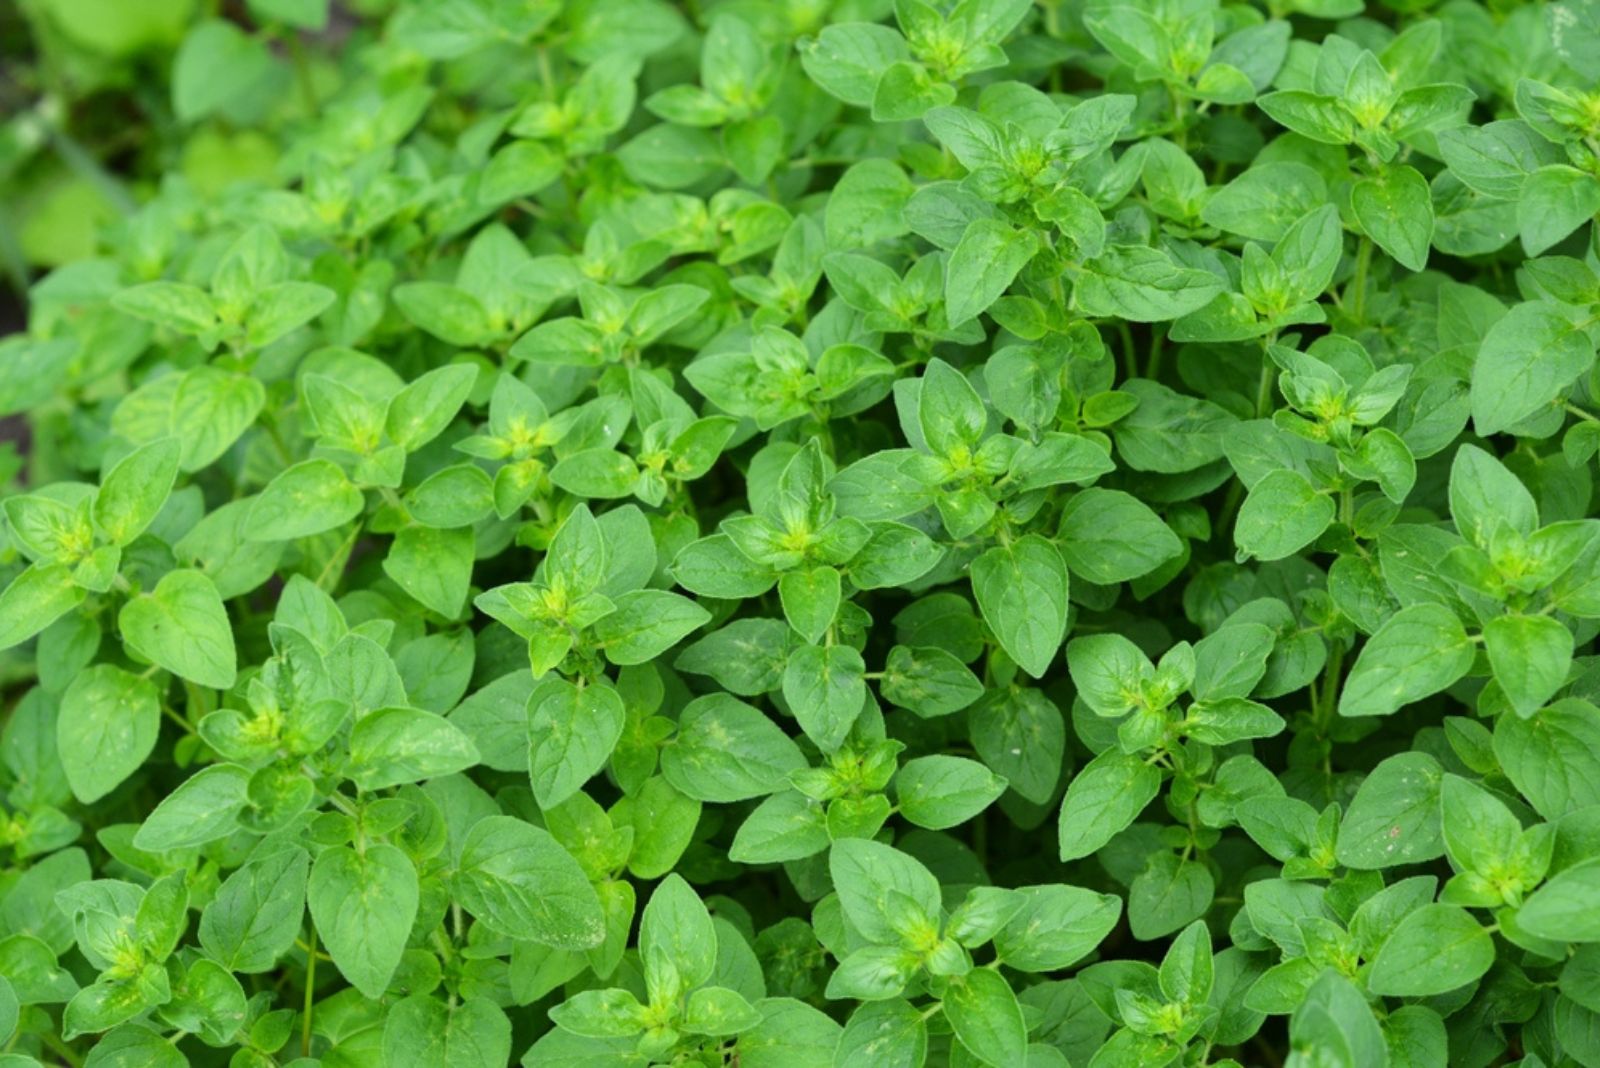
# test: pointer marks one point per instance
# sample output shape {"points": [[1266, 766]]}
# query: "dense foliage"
{"points": [[802, 535]]}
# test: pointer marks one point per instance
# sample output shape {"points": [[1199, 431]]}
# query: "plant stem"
{"points": [[1130, 358], [1357, 300], [311, 986], [302, 71], [1264, 387], [174, 717], [1157, 350], [61, 1049]]}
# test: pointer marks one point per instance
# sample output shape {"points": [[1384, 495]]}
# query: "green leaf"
{"points": [[1554, 201], [676, 925], [1530, 656], [1435, 949], [1225, 720], [519, 882], [311, 497], [363, 903], [1553, 756], [420, 412], [1022, 737], [825, 688], [715, 1010], [877, 884], [424, 1028], [284, 307], [433, 566], [182, 626], [1335, 1020], [1565, 908], [1103, 799], [600, 1014], [1107, 536], [1282, 514], [1485, 496], [107, 727], [646, 623], [1419, 651], [457, 496], [746, 657], [725, 751], [949, 410], [177, 306], [1479, 831], [894, 555], [663, 822], [1187, 970], [255, 916], [810, 600], [598, 474], [446, 312], [135, 489], [217, 65], [108, 1002], [786, 826], [1230, 662], [847, 59], [204, 808], [399, 745], [35, 599], [211, 410], [1142, 285], [1394, 817], [1395, 209], [986, 1018], [929, 681], [892, 1031], [305, 14], [1168, 894], [1526, 361], [571, 734], [982, 266], [133, 1044], [1021, 590], [943, 791], [1056, 927]]}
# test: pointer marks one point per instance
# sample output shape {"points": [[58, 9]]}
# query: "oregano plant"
{"points": [[800, 534]]}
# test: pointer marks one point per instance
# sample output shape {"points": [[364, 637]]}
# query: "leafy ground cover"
{"points": [[801, 535]]}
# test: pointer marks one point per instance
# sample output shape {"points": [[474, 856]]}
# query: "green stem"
{"points": [[546, 75], [311, 986], [343, 806], [335, 564], [1130, 359], [1158, 342], [61, 1049], [1357, 300], [270, 427], [1330, 688], [174, 717], [1264, 387], [1180, 117], [85, 165], [12, 263], [302, 71], [1581, 413]]}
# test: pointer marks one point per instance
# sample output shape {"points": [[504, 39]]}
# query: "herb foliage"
{"points": [[811, 534]]}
